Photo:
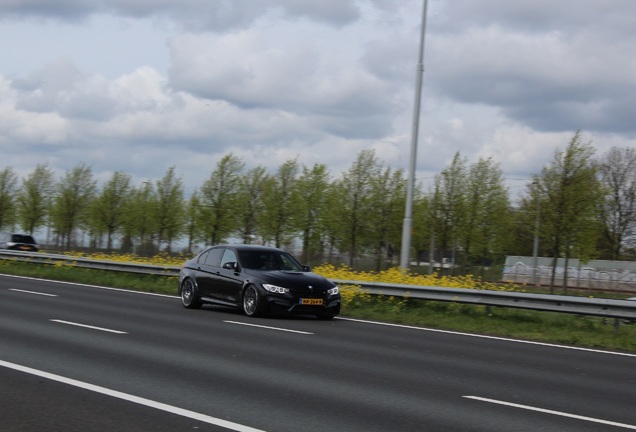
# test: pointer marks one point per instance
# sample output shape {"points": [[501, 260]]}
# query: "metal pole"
{"points": [[535, 246], [410, 186]]}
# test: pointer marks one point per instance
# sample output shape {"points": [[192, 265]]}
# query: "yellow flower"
{"points": [[350, 293]]}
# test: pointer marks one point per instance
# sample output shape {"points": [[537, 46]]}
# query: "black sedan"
{"points": [[22, 242], [257, 279]]}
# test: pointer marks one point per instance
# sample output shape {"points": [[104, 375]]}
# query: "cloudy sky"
{"points": [[142, 85]]}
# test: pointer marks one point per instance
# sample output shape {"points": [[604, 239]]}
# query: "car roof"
{"points": [[248, 247]]}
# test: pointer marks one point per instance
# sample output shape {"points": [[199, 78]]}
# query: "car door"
{"points": [[230, 282], [207, 272]]}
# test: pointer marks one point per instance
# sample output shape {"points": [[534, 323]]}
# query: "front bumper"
{"points": [[23, 247], [291, 305]]}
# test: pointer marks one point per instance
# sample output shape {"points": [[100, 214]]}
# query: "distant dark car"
{"points": [[258, 280], [22, 242]]}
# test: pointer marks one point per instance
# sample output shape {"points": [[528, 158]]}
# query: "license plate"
{"points": [[305, 301]]}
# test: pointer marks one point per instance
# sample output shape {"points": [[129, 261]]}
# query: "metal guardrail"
{"points": [[619, 309], [46, 258], [624, 309]]}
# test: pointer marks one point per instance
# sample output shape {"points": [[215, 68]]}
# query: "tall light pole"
{"points": [[410, 186], [535, 245]]}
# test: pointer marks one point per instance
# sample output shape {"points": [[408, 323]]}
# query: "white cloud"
{"points": [[298, 75], [142, 85], [545, 74]]}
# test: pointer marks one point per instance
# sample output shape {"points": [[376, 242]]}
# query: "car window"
{"points": [[259, 260], [288, 263], [21, 238], [228, 256], [202, 257], [250, 259], [213, 257]]}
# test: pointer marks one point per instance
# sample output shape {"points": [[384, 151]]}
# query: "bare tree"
{"points": [[617, 171]]}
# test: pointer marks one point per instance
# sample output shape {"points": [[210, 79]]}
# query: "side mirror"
{"points": [[306, 268], [230, 266]]}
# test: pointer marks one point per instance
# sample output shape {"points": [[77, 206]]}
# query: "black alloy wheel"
{"points": [[189, 296], [251, 301]]}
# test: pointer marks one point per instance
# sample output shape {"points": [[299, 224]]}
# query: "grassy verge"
{"points": [[68, 273], [583, 331], [550, 327]]}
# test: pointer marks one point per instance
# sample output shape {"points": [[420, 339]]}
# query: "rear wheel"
{"points": [[251, 301], [189, 297]]}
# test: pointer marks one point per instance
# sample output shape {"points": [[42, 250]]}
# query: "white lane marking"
{"points": [[558, 413], [89, 326], [32, 292], [134, 399], [489, 337], [364, 321], [94, 286], [267, 327]]}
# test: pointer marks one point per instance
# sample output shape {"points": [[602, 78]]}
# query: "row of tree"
{"points": [[576, 206]]}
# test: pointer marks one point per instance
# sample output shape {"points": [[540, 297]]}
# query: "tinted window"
{"points": [[213, 257], [289, 263], [258, 260], [20, 238], [202, 257], [228, 256]]}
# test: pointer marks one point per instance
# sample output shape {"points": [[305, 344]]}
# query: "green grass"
{"points": [[139, 282], [550, 327]]}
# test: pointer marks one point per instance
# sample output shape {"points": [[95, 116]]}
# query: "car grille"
{"points": [[308, 293]]}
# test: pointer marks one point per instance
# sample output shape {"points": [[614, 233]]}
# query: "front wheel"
{"points": [[189, 297], [251, 301], [325, 316]]}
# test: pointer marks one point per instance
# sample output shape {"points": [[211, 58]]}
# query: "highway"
{"points": [[76, 357]]}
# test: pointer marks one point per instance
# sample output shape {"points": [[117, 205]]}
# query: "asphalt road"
{"points": [[74, 358]]}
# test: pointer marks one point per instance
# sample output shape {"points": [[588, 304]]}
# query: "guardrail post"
{"points": [[617, 325]]}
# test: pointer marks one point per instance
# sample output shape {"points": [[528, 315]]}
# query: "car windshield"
{"points": [[265, 260]]}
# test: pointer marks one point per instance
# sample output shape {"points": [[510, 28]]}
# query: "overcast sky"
{"points": [[142, 85]]}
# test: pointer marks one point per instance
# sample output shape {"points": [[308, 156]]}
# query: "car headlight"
{"points": [[333, 291], [275, 289]]}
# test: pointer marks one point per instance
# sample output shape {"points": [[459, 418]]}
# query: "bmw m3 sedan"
{"points": [[257, 279]]}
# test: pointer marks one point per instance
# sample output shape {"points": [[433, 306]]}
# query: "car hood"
{"points": [[292, 279]]}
